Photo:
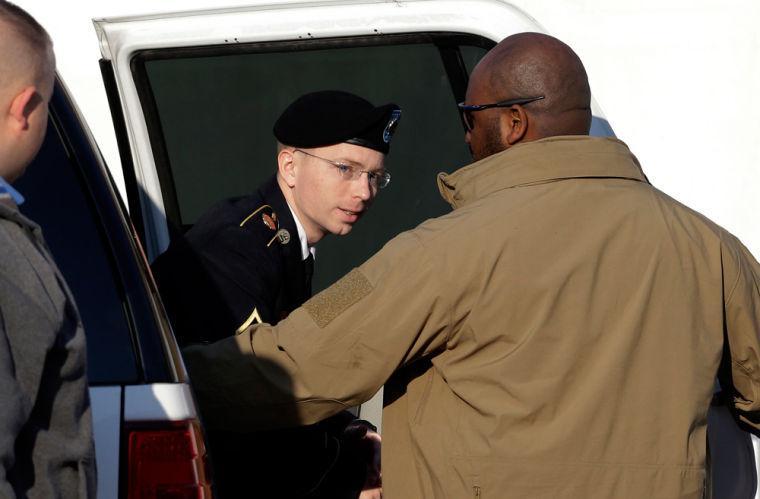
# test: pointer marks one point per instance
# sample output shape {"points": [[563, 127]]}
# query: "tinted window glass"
{"points": [[57, 199], [216, 113]]}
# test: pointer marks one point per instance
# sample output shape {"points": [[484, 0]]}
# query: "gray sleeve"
{"points": [[13, 410]]}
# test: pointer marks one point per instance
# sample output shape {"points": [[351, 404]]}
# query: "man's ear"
{"points": [[22, 106], [286, 166], [514, 124]]}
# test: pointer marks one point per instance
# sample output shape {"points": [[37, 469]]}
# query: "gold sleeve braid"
{"points": [[260, 208]]}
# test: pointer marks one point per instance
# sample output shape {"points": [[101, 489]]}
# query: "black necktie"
{"points": [[308, 271]]}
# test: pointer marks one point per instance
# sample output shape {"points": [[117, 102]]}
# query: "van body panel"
{"points": [[106, 423]]}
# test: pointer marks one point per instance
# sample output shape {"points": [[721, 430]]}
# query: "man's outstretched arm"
{"points": [[334, 352]]}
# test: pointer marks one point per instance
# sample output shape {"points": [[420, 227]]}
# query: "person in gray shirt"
{"points": [[46, 443]]}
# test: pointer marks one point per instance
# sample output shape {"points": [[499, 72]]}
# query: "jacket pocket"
{"points": [[424, 396]]}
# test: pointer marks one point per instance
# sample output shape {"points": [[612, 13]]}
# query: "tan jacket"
{"points": [[556, 336]]}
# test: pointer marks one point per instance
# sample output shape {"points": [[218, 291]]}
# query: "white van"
{"points": [[193, 97]]}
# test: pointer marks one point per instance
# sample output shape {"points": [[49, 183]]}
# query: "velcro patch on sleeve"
{"points": [[334, 300]]}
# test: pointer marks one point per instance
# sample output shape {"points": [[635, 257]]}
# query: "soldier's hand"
{"points": [[375, 493], [365, 438], [373, 485]]}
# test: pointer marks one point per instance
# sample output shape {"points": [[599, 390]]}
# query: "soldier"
{"points": [[250, 260], [557, 335]]}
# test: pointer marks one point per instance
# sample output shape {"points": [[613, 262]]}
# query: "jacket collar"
{"points": [[545, 160], [9, 211]]}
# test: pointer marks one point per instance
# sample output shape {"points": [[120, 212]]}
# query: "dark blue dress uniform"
{"points": [[242, 263]]}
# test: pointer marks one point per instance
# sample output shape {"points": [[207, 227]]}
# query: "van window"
{"points": [[210, 113], [58, 200]]}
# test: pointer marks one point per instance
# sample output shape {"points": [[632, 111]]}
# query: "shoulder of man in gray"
{"points": [[46, 443]]}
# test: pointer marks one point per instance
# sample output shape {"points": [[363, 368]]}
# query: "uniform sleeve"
{"points": [[742, 316], [334, 352]]}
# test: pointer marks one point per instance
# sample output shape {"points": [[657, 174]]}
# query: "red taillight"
{"points": [[167, 461]]}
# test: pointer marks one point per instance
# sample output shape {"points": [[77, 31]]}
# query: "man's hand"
{"points": [[373, 486], [376, 493], [367, 441]]}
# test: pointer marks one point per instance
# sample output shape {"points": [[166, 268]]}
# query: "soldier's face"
{"points": [[327, 199]]}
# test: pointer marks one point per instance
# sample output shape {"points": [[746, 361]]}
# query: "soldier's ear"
{"points": [[286, 166]]}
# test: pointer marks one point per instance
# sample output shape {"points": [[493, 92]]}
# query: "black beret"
{"points": [[330, 117]]}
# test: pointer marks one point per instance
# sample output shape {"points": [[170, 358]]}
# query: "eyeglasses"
{"points": [[468, 109], [377, 179]]}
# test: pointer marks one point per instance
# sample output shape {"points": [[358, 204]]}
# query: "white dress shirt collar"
{"points": [[305, 248]]}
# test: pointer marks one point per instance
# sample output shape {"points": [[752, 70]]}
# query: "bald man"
{"points": [[556, 336], [46, 445]]}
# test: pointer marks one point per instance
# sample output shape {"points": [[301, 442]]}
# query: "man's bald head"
{"points": [[26, 48], [532, 65]]}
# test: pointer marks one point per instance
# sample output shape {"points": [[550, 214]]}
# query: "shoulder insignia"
{"points": [[284, 236], [254, 318], [270, 220], [268, 212]]}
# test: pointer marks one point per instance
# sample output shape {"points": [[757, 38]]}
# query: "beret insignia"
{"points": [[390, 128]]}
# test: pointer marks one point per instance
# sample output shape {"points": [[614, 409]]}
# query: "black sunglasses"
{"points": [[468, 109]]}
